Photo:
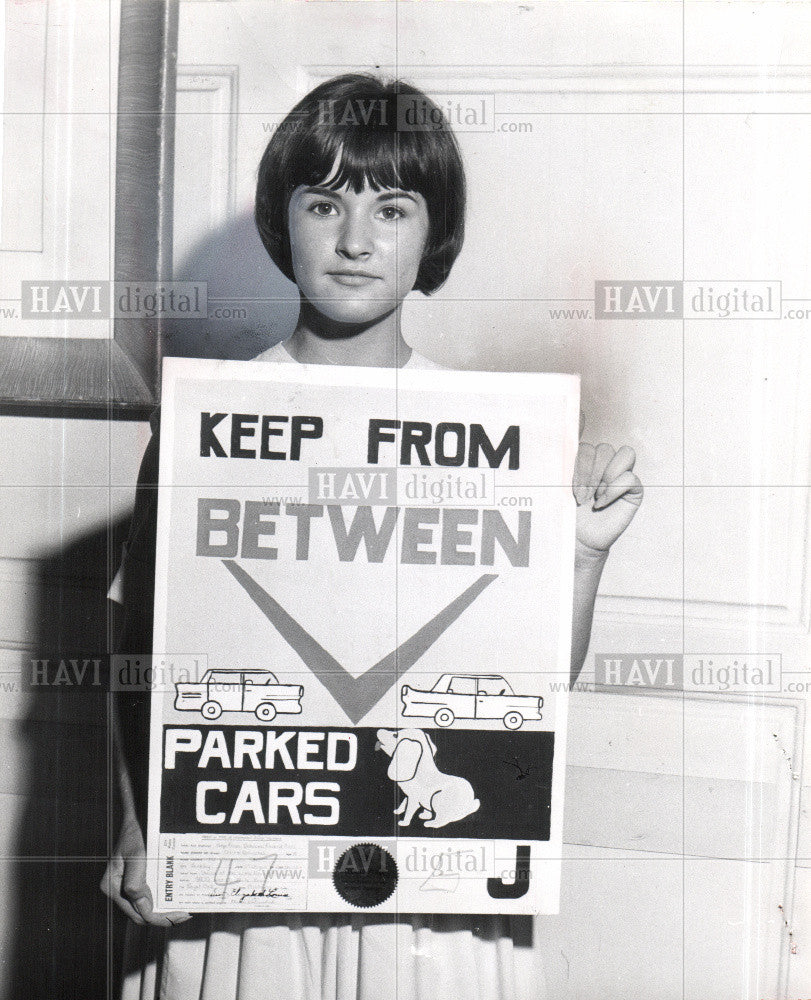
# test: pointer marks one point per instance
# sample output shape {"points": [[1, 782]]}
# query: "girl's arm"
{"points": [[608, 495], [588, 568], [124, 880]]}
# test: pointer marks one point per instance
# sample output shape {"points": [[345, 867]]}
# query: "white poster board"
{"points": [[363, 611]]}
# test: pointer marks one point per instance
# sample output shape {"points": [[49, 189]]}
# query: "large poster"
{"points": [[363, 616]]}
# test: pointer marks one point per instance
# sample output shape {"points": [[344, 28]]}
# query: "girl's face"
{"points": [[356, 256]]}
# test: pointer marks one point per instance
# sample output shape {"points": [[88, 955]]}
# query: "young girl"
{"points": [[358, 214]]}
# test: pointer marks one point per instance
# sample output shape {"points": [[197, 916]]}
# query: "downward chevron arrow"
{"points": [[356, 696]]}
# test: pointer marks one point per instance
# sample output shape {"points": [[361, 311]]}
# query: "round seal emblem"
{"points": [[365, 875]]}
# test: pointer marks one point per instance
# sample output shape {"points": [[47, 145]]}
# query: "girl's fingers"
{"points": [[111, 886], [169, 919], [583, 465], [626, 487], [125, 906], [111, 879], [141, 900], [622, 461], [143, 907], [124, 882], [603, 455], [135, 890]]}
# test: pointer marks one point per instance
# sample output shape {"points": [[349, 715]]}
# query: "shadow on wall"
{"points": [[251, 305], [58, 912]]}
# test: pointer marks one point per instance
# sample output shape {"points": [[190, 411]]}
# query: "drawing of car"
{"points": [[257, 691], [471, 696]]}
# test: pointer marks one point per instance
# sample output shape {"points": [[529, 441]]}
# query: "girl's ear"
{"points": [[405, 760]]}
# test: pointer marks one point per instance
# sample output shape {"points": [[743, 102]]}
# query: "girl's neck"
{"points": [[316, 340]]}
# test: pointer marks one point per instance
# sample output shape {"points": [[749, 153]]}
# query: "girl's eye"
{"points": [[391, 213], [323, 208]]}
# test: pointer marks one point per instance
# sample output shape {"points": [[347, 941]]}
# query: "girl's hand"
{"points": [[607, 492], [124, 880]]}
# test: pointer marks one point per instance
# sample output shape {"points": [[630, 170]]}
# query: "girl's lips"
{"points": [[352, 279]]}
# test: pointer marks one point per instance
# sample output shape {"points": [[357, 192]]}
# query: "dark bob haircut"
{"points": [[356, 116]]}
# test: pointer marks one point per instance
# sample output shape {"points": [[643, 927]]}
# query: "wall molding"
{"points": [[220, 84], [601, 88]]}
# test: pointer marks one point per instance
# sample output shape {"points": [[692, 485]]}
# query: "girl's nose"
{"points": [[355, 237]]}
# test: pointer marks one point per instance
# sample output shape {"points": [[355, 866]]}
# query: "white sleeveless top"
{"points": [[280, 353]]}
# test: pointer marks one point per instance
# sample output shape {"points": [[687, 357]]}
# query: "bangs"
{"points": [[380, 157]]}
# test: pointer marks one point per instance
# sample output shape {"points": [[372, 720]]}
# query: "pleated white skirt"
{"points": [[329, 957]]}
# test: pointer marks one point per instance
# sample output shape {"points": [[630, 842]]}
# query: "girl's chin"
{"points": [[355, 314]]}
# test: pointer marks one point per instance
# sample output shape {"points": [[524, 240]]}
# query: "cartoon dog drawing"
{"points": [[444, 798]]}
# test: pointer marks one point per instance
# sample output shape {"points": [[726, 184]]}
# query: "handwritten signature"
{"points": [[223, 879], [259, 892]]}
